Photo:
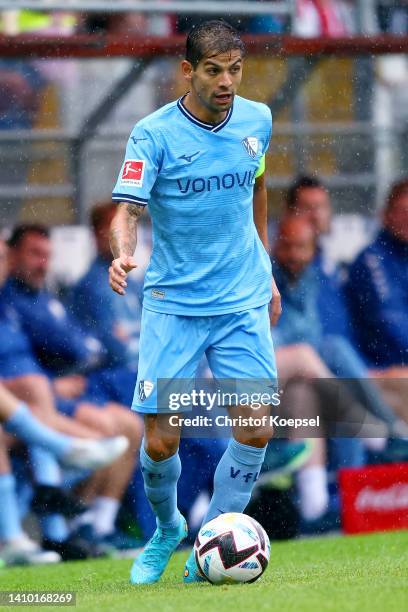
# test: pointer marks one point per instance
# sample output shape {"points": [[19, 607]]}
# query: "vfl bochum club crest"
{"points": [[145, 389], [251, 144]]}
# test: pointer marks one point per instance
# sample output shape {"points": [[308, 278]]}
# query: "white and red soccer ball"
{"points": [[232, 548]]}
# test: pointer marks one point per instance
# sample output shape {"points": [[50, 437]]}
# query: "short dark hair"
{"points": [[98, 212], [211, 38], [302, 182], [398, 189], [20, 231]]}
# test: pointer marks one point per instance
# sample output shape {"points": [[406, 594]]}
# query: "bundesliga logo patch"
{"points": [[251, 144], [133, 172]]}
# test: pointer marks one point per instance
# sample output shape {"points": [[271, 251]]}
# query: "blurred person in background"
{"points": [[377, 289], [307, 196], [294, 253], [59, 345], [298, 358], [337, 303], [21, 374], [302, 376], [114, 320], [19, 420], [16, 547]]}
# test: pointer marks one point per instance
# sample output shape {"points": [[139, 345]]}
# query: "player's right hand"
{"points": [[118, 272]]}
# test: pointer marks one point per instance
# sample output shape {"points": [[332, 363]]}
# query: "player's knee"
{"points": [[258, 440], [159, 449]]}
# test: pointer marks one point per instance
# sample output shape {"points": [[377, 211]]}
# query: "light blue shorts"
{"points": [[237, 346]]}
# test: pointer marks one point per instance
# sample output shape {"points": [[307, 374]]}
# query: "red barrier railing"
{"points": [[94, 46]]}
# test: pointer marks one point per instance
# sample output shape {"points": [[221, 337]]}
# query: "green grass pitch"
{"points": [[361, 573]]}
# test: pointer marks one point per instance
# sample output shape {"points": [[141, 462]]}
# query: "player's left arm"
{"points": [[260, 206]]}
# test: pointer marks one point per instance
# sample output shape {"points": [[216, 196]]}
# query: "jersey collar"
{"points": [[210, 127]]}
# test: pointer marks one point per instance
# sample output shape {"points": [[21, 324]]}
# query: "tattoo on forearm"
{"points": [[123, 233]]}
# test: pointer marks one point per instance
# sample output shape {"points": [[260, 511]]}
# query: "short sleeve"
{"points": [[140, 168]]}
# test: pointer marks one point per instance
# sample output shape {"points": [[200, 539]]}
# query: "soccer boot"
{"points": [[78, 546], [117, 545], [94, 454], [191, 571], [152, 561], [53, 500]]}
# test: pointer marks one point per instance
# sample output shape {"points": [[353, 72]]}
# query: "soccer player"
{"points": [[199, 164]]}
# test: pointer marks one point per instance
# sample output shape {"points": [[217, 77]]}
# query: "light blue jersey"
{"points": [[198, 180]]}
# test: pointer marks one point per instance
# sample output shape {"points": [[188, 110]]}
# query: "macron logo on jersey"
{"points": [[133, 172]]}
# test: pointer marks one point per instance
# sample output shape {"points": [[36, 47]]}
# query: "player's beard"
{"points": [[208, 101], [215, 108]]}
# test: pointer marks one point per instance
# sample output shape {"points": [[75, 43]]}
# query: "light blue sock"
{"points": [[54, 527], [10, 526], [234, 478], [160, 484], [24, 425], [45, 467]]}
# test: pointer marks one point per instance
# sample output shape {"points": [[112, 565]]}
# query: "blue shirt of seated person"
{"points": [[377, 292], [16, 356], [378, 286], [296, 279], [333, 311], [115, 319], [58, 341]]}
